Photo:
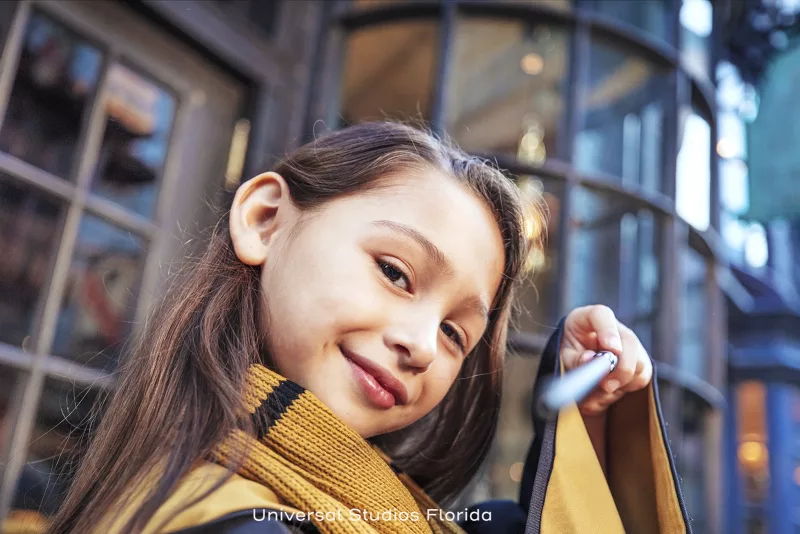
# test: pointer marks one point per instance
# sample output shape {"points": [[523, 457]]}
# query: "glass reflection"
{"points": [[697, 20], [693, 178], [505, 90], [647, 15], [622, 117], [139, 120], [52, 92], [30, 226], [388, 72], [538, 298], [514, 430], [55, 446], [753, 450], [690, 456], [614, 259], [101, 297], [692, 349]]}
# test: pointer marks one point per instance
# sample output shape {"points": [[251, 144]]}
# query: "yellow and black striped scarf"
{"points": [[314, 462]]}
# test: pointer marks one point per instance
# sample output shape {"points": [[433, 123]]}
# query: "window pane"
{"points": [[136, 140], [514, 430], [506, 88], [55, 445], [614, 259], [647, 15], [697, 20], [30, 227], [100, 301], [693, 179], [52, 92], [622, 117], [753, 451], [389, 72], [690, 456], [693, 349], [538, 298]]}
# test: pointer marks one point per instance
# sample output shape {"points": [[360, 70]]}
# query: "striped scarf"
{"points": [[314, 462]]}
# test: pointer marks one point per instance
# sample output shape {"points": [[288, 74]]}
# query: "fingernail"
{"points": [[614, 343], [612, 386]]}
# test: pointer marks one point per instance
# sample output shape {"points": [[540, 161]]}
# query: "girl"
{"points": [[333, 363]]}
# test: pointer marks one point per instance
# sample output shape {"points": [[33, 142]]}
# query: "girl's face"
{"points": [[374, 300]]}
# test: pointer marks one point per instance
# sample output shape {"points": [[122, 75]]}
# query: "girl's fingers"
{"points": [[644, 373], [628, 360], [602, 321], [599, 402]]}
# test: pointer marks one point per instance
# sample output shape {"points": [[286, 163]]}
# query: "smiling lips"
{"points": [[379, 386]]}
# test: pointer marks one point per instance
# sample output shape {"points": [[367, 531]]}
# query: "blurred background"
{"points": [[663, 135]]}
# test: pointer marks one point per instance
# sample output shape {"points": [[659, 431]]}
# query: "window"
{"points": [[622, 117], [139, 115], [505, 92], [614, 259], [647, 15], [64, 414], [53, 89], [388, 72], [690, 454], [30, 229], [693, 179], [539, 297], [693, 320], [753, 452], [100, 301], [697, 21]]}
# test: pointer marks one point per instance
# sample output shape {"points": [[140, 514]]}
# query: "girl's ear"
{"points": [[260, 207]]}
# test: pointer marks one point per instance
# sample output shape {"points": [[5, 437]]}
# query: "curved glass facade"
{"points": [[607, 109]]}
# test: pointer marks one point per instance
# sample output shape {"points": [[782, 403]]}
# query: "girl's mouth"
{"points": [[377, 384]]}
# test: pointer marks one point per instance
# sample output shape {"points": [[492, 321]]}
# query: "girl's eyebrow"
{"points": [[438, 257]]}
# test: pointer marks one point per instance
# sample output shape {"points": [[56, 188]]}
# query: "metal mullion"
{"points": [[119, 216], [10, 58], [33, 387], [447, 29], [39, 179], [15, 357], [78, 374], [578, 80]]}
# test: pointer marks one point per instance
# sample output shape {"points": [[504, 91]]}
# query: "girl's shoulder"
{"points": [[238, 506]]}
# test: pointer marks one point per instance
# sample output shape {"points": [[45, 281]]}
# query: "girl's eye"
{"points": [[395, 275], [453, 334]]}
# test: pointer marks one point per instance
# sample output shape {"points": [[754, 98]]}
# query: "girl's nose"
{"points": [[415, 345]]}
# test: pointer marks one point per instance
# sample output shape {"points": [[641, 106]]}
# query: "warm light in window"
{"points": [[532, 64], [752, 454], [516, 471], [797, 475]]}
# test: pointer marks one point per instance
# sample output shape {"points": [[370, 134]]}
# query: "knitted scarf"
{"points": [[314, 462]]}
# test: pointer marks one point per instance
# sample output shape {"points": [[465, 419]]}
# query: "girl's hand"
{"points": [[590, 329]]}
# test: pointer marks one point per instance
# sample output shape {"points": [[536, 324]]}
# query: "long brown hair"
{"points": [[179, 388]]}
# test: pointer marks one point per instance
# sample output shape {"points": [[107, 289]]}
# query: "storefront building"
{"points": [[118, 121]]}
